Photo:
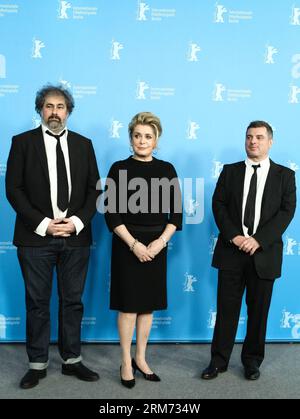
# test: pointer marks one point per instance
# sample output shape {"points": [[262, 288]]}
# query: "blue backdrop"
{"points": [[206, 68]]}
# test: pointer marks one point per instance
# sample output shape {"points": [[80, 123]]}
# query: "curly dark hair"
{"points": [[58, 90]]}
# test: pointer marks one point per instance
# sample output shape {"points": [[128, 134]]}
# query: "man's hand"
{"points": [[247, 245], [238, 240], [250, 245], [61, 227]]}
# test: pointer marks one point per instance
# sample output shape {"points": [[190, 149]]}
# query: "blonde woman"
{"points": [[143, 212]]}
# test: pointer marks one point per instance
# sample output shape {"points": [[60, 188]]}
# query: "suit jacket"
{"points": [[277, 210], [28, 186]]}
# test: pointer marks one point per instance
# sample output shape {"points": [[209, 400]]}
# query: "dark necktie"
{"points": [[249, 214], [62, 179]]}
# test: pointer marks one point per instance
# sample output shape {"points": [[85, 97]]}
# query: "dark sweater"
{"points": [[154, 197]]}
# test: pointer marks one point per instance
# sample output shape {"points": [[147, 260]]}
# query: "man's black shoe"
{"points": [[212, 372], [252, 373], [80, 371], [31, 378]]}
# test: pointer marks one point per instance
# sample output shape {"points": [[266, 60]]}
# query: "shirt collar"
{"points": [[45, 128], [263, 163]]}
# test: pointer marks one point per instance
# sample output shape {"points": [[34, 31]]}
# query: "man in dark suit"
{"points": [[51, 184], [253, 203]]}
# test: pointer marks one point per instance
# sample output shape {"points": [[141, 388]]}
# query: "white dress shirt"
{"points": [[262, 173], [50, 146]]}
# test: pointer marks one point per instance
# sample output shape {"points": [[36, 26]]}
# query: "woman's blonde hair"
{"points": [[145, 118]]}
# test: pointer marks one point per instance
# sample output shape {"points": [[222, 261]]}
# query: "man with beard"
{"points": [[51, 184]]}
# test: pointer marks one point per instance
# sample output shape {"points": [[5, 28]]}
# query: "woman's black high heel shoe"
{"points": [[126, 383], [149, 377]]}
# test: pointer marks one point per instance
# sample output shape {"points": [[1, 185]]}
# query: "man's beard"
{"points": [[55, 124]]}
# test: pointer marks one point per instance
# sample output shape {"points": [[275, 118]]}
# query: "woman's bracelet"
{"points": [[133, 244], [164, 240]]}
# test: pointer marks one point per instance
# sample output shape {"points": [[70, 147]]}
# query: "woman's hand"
{"points": [[142, 252], [155, 247]]}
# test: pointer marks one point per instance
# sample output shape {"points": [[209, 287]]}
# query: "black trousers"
{"points": [[231, 287], [37, 264]]}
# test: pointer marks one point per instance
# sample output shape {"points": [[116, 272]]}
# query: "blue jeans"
{"points": [[37, 264]]}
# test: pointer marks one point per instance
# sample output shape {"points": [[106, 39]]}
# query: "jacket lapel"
{"points": [[239, 186], [40, 146], [271, 189], [73, 160]]}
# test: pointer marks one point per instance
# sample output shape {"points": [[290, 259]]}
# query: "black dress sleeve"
{"points": [[175, 216], [112, 216]]}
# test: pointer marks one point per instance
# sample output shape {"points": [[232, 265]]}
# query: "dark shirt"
{"points": [[146, 193]]}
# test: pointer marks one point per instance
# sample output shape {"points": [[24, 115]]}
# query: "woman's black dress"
{"points": [[140, 287]]}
